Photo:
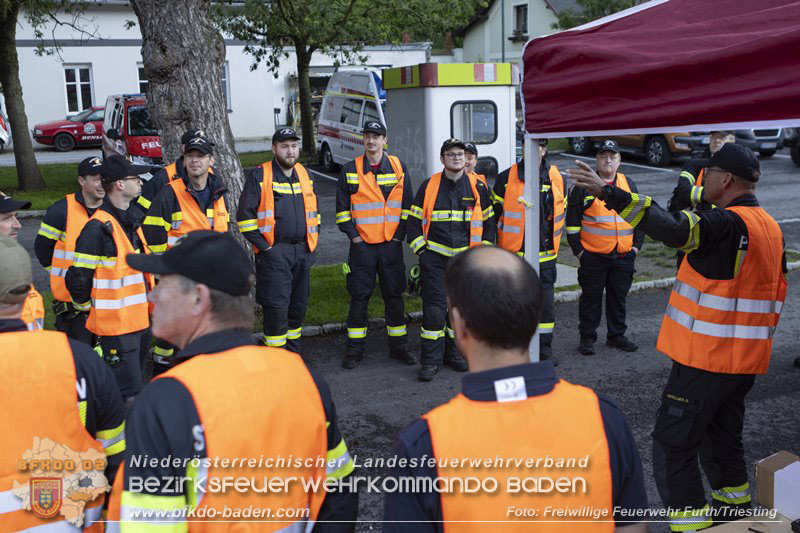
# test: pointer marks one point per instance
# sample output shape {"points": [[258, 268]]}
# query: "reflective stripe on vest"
{"points": [[64, 251], [727, 326], [377, 219], [192, 216], [33, 311], [476, 217], [290, 422], [266, 206], [511, 226], [602, 230], [119, 293], [45, 409], [463, 429]]}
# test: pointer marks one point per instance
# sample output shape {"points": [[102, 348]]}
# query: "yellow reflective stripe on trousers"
{"points": [[294, 334], [113, 440], [733, 495], [546, 327], [396, 331], [431, 335], [275, 340], [356, 333], [690, 520], [546, 256], [338, 462]]}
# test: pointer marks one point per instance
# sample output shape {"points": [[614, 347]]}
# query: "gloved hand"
{"points": [[111, 358], [65, 308]]}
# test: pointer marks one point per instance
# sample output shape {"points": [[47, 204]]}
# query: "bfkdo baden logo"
{"points": [[46, 496]]}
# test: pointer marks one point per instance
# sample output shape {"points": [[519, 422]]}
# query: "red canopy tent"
{"points": [[663, 66]]}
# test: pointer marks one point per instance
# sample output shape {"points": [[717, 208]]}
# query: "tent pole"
{"points": [[531, 194]]}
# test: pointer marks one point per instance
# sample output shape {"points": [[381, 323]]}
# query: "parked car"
{"points": [[766, 142], [5, 131], [128, 131], [658, 149], [82, 129], [791, 139]]}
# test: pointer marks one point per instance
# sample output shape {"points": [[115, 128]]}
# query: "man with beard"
{"points": [[278, 215]]}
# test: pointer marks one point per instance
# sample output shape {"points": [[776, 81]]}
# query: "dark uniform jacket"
{"points": [[414, 443], [345, 190], [579, 200], [681, 194], [56, 219], [165, 203], [290, 216], [452, 196], [96, 241], [546, 209], [157, 432], [95, 385]]}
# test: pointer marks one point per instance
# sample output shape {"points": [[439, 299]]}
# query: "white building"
{"points": [[87, 70]]}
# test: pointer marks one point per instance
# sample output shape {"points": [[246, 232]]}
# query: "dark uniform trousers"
{"points": [[282, 289], [615, 275], [701, 412], [126, 355], [437, 338], [366, 260], [74, 327], [547, 318]]}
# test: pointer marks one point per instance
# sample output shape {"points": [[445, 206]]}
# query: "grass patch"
{"points": [[62, 179], [558, 144], [792, 255]]}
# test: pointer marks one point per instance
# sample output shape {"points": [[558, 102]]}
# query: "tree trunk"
{"points": [[28, 175], [183, 56], [306, 114]]}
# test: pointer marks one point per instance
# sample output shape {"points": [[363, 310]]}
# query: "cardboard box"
{"points": [[787, 491], [780, 524], [766, 470]]}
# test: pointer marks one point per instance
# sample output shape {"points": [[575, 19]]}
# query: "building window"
{"points": [[226, 87], [142, 80], [78, 83], [521, 19], [474, 121]]}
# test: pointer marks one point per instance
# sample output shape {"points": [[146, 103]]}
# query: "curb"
{"points": [[31, 213]]}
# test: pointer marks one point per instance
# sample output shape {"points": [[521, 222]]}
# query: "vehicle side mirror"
{"points": [[112, 133]]}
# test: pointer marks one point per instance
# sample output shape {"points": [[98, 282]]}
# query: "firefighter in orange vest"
{"points": [[509, 410], [717, 329], [606, 247], [229, 400], [451, 212], [688, 193], [55, 245], [510, 214], [102, 283], [194, 200], [372, 203], [33, 310], [278, 215], [60, 391]]}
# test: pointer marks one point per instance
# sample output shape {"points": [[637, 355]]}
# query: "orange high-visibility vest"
{"points": [[33, 310], [480, 177], [475, 217], [172, 171], [511, 226], [45, 407], [266, 208], [376, 218], [533, 427], [192, 217], [64, 251], [603, 230], [119, 293], [726, 325], [288, 423]]}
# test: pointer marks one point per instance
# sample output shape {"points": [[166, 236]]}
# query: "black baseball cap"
{"points": [[609, 145], [284, 134], [471, 148], [208, 257], [90, 166], [724, 133], [738, 160], [9, 205], [375, 127], [201, 144], [190, 134], [544, 142], [117, 167], [450, 143]]}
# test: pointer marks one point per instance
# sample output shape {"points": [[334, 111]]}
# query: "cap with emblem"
{"points": [[451, 143], [116, 167], [208, 257], [190, 134], [608, 145], [201, 144], [90, 166], [738, 160], [374, 126], [15, 271], [471, 148], [9, 205], [284, 134]]}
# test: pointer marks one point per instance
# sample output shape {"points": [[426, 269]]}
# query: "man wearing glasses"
{"points": [[717, 329], [451, 212], [101, 282]]}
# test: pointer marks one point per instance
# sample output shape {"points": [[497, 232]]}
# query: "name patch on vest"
{"points": [[511, 389]]}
